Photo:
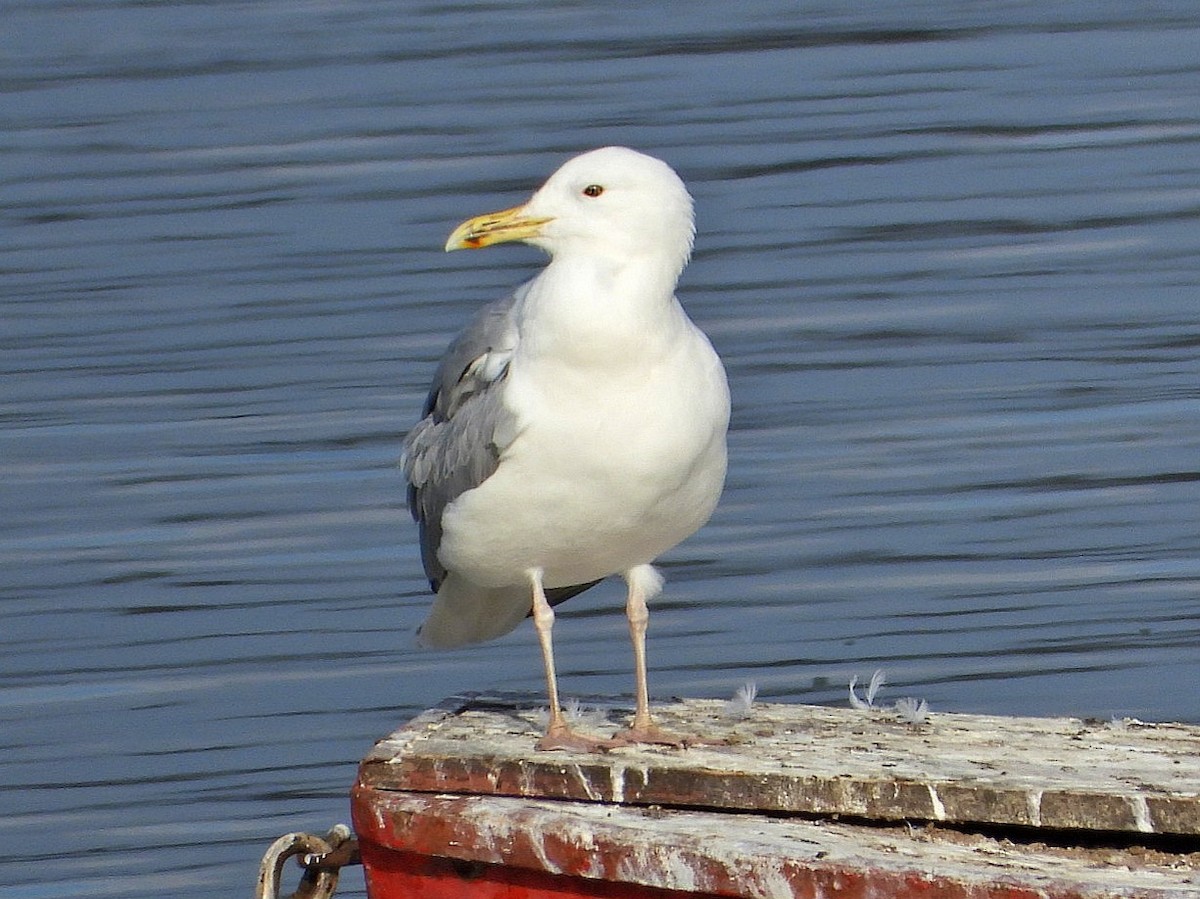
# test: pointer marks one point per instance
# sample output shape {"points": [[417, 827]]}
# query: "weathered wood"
{"points": [[798, 801], [533, 848], [969, 770]]}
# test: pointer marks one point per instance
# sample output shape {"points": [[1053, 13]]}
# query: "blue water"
{"points": [[950, 253]]}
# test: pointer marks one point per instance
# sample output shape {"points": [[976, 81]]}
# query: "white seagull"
{"points": [[575, 429]]}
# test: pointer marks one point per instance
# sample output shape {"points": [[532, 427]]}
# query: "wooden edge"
{"points": [[741, 855], [400, 741], [407, 761]]}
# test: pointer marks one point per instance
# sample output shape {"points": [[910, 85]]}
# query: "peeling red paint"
{"points": [[435, 846], [458, 804]]}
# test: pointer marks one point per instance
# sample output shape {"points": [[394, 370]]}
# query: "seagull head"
{"points": [[612, 202]]}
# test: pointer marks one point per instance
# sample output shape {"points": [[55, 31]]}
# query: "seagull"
{"points": [[575, 429]]}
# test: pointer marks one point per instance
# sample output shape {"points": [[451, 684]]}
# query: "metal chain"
{"points": [[321, 858]]}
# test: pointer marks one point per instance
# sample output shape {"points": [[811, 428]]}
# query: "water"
{"points": [[950, 253]]}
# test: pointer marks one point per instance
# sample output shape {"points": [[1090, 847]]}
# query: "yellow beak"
{"points": [[494, 227]]}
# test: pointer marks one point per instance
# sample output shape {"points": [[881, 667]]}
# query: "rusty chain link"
{"points": [[322, 859]]}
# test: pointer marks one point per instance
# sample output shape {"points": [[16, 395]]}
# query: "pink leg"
{"points": [[644, 584], [558, 733]]}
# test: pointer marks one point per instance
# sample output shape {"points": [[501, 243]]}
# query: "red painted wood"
{"points": [[395, 874], [458, 804], [405, 857], [392, 874]]}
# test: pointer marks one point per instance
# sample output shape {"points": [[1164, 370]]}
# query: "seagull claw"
{"points": [[654, 735], [564, 738]]}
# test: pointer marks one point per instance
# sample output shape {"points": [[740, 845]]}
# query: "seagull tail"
{"points": [[466, 613]]}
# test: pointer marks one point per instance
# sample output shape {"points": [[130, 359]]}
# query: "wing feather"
{"points": [[453, 448], [456, 445]]}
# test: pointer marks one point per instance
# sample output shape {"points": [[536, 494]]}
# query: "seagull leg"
{"points": [[558, 733], [644, 584]]}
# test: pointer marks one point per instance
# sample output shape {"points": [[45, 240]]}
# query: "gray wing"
{"points": [[453, 447], [457, 443]]}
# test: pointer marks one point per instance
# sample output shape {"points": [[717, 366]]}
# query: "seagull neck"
{"points": [[612, 307], [623, 288]]}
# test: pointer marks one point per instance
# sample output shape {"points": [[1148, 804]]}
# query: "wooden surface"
{"points": [[537, 849], [973, 771]]}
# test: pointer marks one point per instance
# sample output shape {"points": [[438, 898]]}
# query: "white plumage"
{"points": [[576, 429]]}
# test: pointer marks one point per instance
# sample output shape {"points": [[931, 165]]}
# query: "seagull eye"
{"points": [[593, 190]]}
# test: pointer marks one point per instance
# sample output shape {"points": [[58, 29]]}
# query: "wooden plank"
{"points": [[968, 770], [536, 849]]}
